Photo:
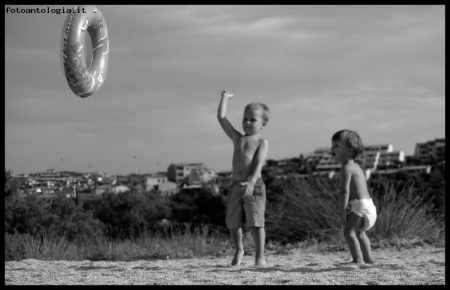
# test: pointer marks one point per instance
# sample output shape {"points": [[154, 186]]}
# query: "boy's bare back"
{"points": [[358, 185]]}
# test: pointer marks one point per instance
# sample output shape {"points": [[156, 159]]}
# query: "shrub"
{"points": [[406, 213], [303, 210], [33, 216], [199, 207], [130, 213], [308, 209], [27, 215], [72, 221]]}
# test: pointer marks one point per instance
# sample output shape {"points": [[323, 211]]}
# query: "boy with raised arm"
{"points": [[248, 195]]}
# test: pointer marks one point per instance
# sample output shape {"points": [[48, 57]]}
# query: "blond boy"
{"points": [[247, 197], [355, 203]]}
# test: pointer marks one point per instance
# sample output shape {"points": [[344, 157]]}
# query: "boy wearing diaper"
{"points": [[355, 203], [247, 199]]}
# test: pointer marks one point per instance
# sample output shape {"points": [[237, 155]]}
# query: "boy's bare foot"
{"points": [[370, 261], [261, 262], [237, 258]]}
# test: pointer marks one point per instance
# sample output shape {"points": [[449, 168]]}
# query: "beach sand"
{"points": [[423, 265]]}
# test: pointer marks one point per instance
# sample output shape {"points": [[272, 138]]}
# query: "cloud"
{"points": [[373, 68]]}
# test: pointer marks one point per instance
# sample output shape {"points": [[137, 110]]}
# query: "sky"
{"points": [[378, 70]]}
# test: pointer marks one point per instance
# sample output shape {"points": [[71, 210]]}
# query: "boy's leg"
{"points": [[234, 221], [353, 222], [365, 247], [255, 207], [259, 236], [236, 236]]}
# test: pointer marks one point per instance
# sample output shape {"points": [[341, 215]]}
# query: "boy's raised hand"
{"points": [[226, 94]]}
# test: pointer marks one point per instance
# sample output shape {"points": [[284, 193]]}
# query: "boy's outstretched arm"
{"points": [[261, 155], [221, 116]]}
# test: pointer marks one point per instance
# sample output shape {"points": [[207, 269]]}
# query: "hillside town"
{"points": [[378, 159]]}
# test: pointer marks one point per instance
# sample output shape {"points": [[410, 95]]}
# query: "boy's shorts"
{"points": [[251, 208]]}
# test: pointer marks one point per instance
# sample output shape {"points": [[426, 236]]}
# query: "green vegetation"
{"points": [[134, 225]]}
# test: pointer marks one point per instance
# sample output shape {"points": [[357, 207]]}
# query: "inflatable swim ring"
{"points": [[84, 82]]}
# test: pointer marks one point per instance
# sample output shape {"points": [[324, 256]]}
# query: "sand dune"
{"points": [[417, 266]]}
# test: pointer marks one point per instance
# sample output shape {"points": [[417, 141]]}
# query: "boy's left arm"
{"points": [[345, 178], [257, 167]]}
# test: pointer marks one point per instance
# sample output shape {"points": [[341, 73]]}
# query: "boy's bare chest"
{"points": [[246, 145]]}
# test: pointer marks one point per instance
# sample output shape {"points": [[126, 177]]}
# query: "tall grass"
{"points": [[303, 211], [43, 247], [406, 213], [308, 210], [146, 246]]}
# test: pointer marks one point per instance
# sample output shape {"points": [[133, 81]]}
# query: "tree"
{"points": [[270, 162], [199, 207], [128, 214], [12, 185], [26, 215], [72, 221]]}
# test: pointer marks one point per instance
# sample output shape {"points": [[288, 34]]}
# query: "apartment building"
{"points": [[391, 160], [430, 151], [155, 179], [378, 148], [326, 163], [224, 178], [201, 175], [313, 159], [374, 157], [178, 172], [416, 169], [370, 159], [168, 188], [50, 175]]}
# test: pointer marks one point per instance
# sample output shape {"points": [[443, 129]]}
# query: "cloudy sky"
{"points": [[378, 70]]}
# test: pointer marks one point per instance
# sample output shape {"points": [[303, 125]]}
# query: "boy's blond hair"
{"points": [[259, 106], [353, 141]]}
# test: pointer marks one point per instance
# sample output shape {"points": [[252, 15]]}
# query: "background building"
{"points": [[178, 172], [313, 159], [431, 151], [201, 175], [154, 179]]}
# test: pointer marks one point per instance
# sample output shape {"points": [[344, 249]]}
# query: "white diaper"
{"points": [[364, 208]]}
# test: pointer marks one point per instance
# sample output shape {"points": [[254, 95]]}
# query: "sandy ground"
{"points": [[417, 266]]}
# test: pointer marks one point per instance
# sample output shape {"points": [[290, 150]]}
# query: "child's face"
{"points": [[339, 151], [252, 122]]}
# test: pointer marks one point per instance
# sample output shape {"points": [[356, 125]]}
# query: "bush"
{"points": [[72, 221], [27, 215], [12, 185], [33, 216], [406, 213], [127, 214], [308, 209], [302, 211], [199, 207]]}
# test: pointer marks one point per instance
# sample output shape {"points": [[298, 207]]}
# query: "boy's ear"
{"points": [[264, 123], [351, 151]]}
